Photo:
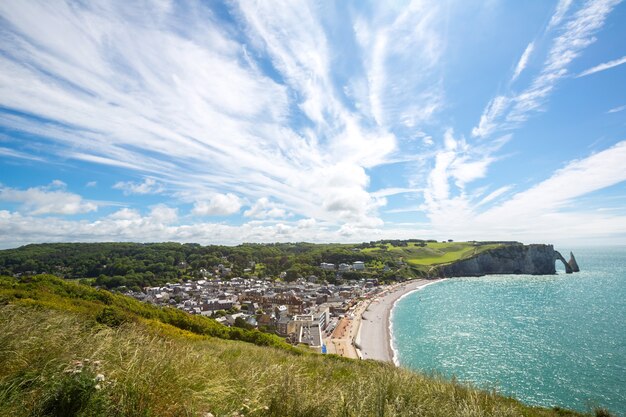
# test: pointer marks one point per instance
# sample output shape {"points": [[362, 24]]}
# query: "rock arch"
{"points": [[559, 257]]}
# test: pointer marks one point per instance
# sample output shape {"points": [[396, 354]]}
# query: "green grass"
{"points": [[434, 253], [56, 359]]}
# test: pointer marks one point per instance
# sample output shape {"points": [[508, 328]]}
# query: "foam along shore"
{"points": [[374, 336]]}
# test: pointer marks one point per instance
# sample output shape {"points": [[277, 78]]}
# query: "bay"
{"points": [[547, 340]]}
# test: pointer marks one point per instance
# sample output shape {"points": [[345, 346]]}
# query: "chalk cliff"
{"points": [[536, 259]]}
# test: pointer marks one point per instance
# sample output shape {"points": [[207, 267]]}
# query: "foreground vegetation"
{"points": [[104, 307], [136, 265], [60, 355]]}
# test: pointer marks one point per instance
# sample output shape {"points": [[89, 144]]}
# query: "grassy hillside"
{"points": [[430, 253], [61, 355]]}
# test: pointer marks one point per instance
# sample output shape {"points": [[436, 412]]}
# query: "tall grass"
{"points": [[55, 363]]}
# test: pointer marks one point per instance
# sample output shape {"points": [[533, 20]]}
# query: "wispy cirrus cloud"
{"points": [[523, 61], [617, 109], [603, 67], [402, 47], [510, 110], [204, 106], [458, 164], [561, 10], [18, 154], [577, 178], [544, 210], [279, 115]]}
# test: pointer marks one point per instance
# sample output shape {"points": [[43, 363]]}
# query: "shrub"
{"points": [[112, 317]]}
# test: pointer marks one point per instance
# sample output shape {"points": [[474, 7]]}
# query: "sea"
{"points": [[556, 340]]}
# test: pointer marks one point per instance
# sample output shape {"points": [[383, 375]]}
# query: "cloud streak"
{"points": [[276, 117], [203, 107], [508, 111], [523, 61], [603, 67]]}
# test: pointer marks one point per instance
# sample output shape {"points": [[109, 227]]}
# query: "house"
{"points": [[282, 327], [268, 320], [230, 319], [344, 267], [327, 266], [358, 265]]}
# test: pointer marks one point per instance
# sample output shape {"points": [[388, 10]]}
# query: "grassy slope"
{"points": [[434, 253], [49, 347]]}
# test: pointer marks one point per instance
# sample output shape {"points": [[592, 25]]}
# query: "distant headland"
{"points": [[509, 258]]}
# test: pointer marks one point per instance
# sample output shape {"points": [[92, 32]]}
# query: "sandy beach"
{"points": [[373, 337]]}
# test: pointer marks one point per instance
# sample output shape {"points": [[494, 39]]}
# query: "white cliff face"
{"points": [[510, 259]]}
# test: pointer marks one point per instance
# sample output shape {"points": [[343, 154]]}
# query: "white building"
{"points": [[358, 265], [345, 267]]}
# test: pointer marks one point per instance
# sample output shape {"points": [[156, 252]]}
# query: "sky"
{"points": [[320, 121]]}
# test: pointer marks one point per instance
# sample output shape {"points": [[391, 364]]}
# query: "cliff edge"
{"points": [[516, 258]]}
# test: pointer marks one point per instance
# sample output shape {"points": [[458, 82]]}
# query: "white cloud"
{"points": [[91, 184], [263, 208], [163, 214], [306, 223], [546, 211], [466, 169], [488, 120], [578, 178], [523, 61], [561, 10], [617, 109], [17, 154], [402, 48], [510, 110], [147, 186], [386, 192], [157, 226], [495, 194], [217, 205], [51, 199], [186, 103], [577, 34], [603, 67]]}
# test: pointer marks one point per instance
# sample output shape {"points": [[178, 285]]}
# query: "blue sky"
{"points": [[252, 121]]}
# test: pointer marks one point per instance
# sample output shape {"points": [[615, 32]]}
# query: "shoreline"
{"points": [[374, 335]]}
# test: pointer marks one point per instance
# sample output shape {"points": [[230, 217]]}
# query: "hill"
{"points": [[68, 349], [137, 265]]}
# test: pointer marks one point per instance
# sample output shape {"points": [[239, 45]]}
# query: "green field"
{"points": [[434, 253]]}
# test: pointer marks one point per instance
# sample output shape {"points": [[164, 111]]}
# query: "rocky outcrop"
{"points": [[559, 257], [536, 259], [572, 263]]}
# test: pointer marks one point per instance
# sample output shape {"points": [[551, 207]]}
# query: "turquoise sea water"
{"points": [[547, 340]]}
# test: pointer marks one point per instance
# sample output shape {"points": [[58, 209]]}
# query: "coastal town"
{"points": [[307, 311]]}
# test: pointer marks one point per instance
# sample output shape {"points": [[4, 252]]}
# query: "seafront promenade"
{"points": [[364, 331]]}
